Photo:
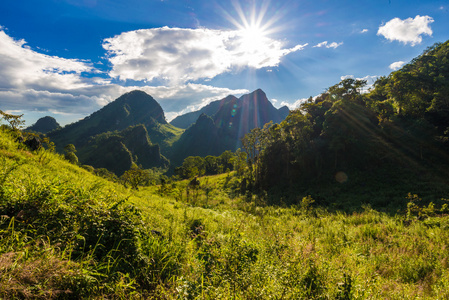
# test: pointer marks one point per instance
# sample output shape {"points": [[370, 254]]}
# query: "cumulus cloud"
{"points": [[24, 68], [180, 55], [364, 30], [408, 30], [327, 45], [82, 102], [397, 65], [295, 103], [35, 84], [190, 97]]}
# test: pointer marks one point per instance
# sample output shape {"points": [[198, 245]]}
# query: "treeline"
{"points": [[212, 165], [403, 123]]}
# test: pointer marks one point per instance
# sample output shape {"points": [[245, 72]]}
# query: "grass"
{"points": [[67, 234]]}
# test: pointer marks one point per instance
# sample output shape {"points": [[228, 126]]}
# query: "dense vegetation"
{"points": [[394, 136], [68, 234]]}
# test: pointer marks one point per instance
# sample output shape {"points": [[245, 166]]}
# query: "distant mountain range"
{"points": [[257, 100], [133, 129], [223, 123]]}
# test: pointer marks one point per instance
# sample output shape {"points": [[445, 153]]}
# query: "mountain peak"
{"points": [[135, 107], [44, 125], [258, 91]]}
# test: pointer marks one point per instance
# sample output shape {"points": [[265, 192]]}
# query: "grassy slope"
{"points": [[209, 243]]}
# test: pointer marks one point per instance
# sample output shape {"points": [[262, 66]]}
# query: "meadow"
{"points": [[68, 234]]}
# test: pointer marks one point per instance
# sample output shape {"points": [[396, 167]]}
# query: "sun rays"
{"points": [[254, 25]]}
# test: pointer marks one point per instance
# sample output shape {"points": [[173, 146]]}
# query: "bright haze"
{"points": [[68, 58]]}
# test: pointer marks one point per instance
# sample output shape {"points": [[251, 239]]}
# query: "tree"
{"points": [[191, 167], [15, 121], [211, 163], [70, 154], [135, 177], [239, 161], [226, 160]]}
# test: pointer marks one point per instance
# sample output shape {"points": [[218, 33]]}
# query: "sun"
{"points": [[253, 37], [255, 24], [254, 41]]}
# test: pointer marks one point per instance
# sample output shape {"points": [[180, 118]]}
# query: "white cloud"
{"points": [[22, 67], [327, 45], [189, 97], [408, 30], [180, 55], [82, 102], [296, 103], [397, 65], [364, 30], [370, 79], [36, 84]]}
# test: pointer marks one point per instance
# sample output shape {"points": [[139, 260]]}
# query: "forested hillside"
{"points": [[130, 130], [392, 137]]}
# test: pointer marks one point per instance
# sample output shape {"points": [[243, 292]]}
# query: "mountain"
{"points": [[186, 120], [283, 112], [275, 115], [117, 151], [201, 139], [130, 109], [109, 136], [222, 131], [252, 110], [44, 125]]}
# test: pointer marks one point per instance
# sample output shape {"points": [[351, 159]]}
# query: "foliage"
{"points": [[15, 122], [70, 154], [135, 177], [211, 165], [401, 122], [67, 233]]}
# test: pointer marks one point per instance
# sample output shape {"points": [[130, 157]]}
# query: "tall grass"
{"points": [[67, 234]]}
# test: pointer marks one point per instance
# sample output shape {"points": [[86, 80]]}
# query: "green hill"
{"points": [[44, 125], [110, 139], [117, 151], [67, 234]]}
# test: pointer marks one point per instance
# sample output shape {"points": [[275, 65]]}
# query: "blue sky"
{"points": [[68, 58]]}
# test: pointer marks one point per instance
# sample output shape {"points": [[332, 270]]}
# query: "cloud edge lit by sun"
{"points": [[180, 55]]}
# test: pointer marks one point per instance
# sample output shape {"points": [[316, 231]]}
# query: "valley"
{"points": [[345, 197]]}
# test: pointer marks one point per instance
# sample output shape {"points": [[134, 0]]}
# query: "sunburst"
{"points": [[253, 26]]}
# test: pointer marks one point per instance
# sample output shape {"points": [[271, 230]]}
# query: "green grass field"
{"points": [[68, 234]]}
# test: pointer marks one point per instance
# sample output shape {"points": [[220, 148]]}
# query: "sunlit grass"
{"points": [[209, 242]]}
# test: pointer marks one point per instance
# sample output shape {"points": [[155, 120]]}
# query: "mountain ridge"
{"points": [[135, 113], [186, 120]]}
